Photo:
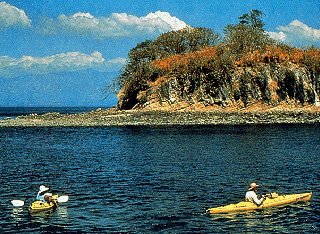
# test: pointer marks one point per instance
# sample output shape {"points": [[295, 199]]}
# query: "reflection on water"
{"points": [[62, 212], [144, 180], [285, 219], [42, 215], [17, 214]]}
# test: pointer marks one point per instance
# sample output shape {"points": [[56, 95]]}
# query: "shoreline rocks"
{"points": [[112, 117]]}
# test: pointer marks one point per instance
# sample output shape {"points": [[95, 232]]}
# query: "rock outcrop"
{"points": [[204, 80]]}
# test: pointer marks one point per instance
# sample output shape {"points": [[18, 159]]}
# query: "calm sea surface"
{"points": [[159, 180]]}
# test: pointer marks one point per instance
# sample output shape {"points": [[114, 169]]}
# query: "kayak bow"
{"points": [[272, 201]]}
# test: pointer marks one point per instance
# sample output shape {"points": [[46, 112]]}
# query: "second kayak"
{"points": [[273, 200]]}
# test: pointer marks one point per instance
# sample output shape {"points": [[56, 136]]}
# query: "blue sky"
{"points": [[64, 52]]}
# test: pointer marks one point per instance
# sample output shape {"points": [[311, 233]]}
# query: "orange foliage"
{"points": [[279, 55], [312, 56], [315, 53], [182, 60], [275, 54], [271, 54], [296, 56], [249, 59]]}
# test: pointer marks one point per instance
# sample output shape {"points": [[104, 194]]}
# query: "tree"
{"points": [[185, 41], [171, 43], [253, 19], [138, 70], [248, 35], [137, 57]]}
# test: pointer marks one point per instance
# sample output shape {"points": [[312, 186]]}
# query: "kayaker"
{"points": [[252, 196], [43, 194]]}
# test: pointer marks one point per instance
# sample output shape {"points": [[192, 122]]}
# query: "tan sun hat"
{"points": [[253, 186]]}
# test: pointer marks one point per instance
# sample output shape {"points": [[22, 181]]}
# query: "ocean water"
{"points": [[159, 179]]}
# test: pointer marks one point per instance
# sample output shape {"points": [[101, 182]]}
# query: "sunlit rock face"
{"points": [[266, 84]]}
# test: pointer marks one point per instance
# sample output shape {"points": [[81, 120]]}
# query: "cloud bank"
{"points": [[297, 33], [117, 25], [12, 16], [64, 62]]}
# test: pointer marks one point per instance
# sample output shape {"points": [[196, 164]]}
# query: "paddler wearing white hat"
{"points": [[43, 195]]}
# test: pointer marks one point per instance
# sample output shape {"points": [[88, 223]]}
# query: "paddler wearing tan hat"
{"points": [[252, 196]]}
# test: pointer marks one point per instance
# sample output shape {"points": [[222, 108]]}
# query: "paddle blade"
{"points": [[17, 203], [63, 199]]}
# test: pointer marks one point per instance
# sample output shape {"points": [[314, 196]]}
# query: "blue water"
{"points": [[159, 180]]}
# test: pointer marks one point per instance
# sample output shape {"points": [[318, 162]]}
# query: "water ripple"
{"points": [[142, 180]]}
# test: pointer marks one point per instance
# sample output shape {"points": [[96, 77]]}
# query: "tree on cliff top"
{"points": [[253, 19], [248, 35]]}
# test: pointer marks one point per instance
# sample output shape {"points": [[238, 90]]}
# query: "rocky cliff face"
{"points": [[206, 80], [266, 83]]}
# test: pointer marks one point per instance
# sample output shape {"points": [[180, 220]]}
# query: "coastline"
{"points": [[113, 117]]}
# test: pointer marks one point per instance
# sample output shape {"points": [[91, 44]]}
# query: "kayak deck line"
{"points": [[273, 201]]}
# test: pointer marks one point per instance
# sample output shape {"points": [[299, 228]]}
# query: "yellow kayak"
{"points": [[273, 200], [37, 206]]}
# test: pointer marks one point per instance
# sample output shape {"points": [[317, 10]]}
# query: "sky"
{"points": [[66, 52]]}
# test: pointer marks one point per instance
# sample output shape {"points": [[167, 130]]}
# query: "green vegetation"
{"points": [[139, 69], [195, 65], [248, 35]]}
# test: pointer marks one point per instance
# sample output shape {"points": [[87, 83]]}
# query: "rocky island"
{"points": [[192, 77]]}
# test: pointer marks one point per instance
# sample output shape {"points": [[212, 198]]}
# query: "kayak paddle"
{"points": [[17, 203], [63, 199]]}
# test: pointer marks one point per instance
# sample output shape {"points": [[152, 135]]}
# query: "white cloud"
{"points": [[297, 33], [64, 62], [117, 25], [278, 36], [117, 61], [298, 28], [12, 16]]}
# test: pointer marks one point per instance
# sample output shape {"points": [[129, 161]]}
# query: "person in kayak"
{"points": [[43, 194], [252, 196]]}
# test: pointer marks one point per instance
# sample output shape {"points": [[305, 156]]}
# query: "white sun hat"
{"points": [[43, 188]]}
